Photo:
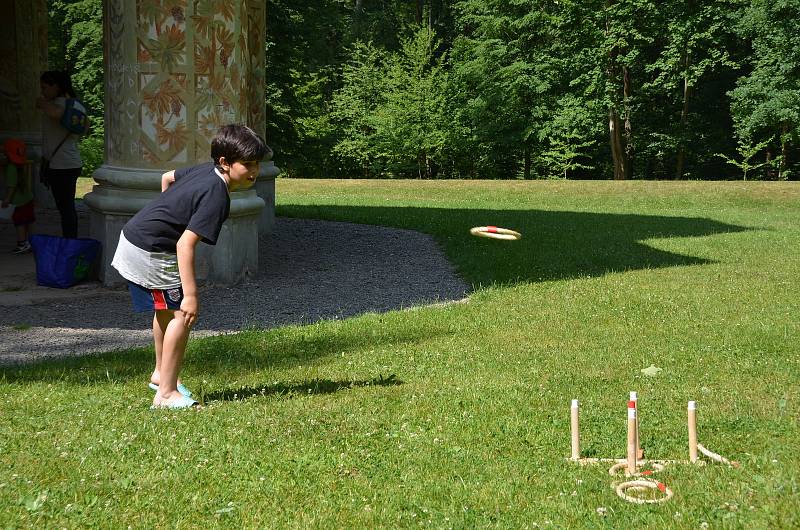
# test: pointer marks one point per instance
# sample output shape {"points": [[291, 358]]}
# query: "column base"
{"points": [[233, 258], [265, 188]]}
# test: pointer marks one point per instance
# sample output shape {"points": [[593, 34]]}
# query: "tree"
{"points": [[389, 110], [409, 125], [76, 46], [766, 103], [506, 72], [352, 109], [696, 45], [746, 153]]}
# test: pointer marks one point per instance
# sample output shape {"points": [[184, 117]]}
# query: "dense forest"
{"points": [[641, 89]]}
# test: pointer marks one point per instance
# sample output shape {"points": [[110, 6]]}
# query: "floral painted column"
{"points": [[175, 71]]}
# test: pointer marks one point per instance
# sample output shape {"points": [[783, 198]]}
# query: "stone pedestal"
{"points": [[265, 188]]}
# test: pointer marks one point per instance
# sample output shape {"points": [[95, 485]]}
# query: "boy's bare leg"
{"points": [[176, 335], [159, 329]]}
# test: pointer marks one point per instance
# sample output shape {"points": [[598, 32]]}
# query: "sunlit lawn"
{"points": [[458, 415]]}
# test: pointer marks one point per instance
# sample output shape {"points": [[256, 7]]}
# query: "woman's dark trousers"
{"points": [[62, 185]]}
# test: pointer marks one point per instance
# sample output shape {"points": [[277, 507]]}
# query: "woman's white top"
{"points": [[68, 156]]}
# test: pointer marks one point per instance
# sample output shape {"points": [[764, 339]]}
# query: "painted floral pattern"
{"points": [[199, 64]]}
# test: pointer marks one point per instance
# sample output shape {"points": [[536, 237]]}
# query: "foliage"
{"points": [[522, 89], [746, 153], [76, 46], [766, 103], [410, 126], [393, 109], [353, 107], [696, 46], [517, 72], [92, 153]]}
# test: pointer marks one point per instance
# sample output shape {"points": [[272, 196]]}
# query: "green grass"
{"points": [[458, 415], [83, 186]]}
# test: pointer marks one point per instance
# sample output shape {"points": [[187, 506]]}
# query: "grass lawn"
{"points": [[458, 415]]}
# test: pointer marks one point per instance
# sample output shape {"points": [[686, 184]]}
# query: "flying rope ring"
{"points": [[640, 486], [494, 232]]}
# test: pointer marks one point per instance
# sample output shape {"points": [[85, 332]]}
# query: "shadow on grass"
{"points": [[314, 387], [555, 244], [233, 356]]}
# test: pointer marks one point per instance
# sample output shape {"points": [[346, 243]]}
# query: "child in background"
{"points": [[19, 193], [157, 247]]}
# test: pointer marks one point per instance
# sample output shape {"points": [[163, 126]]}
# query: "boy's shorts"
{"points": [[146, 300], [23, 215]]}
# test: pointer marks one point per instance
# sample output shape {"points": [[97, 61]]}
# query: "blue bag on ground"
{"points": [[63, 262]]}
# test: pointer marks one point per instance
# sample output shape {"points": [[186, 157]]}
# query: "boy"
{"points": [[157, 247], [19, 192]]}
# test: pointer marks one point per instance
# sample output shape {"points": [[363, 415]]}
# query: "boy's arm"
{"points": [[167, 179], [186, 249]]}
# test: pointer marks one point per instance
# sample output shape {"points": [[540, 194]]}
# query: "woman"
{"points": [[60, 147]]}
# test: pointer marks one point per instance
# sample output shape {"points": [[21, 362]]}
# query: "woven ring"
{"points": [[494, 232], [640, 485], [620, 466]]}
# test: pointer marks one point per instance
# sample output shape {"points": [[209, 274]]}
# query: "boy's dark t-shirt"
{"points": [[197, 200]]}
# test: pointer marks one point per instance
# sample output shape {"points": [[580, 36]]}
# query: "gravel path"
{"points": [[309, 270]]}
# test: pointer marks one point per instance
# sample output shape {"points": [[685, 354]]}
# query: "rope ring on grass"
{"points": [[642, 485], [715, 457], [494, 232], [656, 467]]}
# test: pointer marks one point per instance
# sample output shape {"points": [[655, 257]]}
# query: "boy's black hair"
{"points": [[62, 79], [237, 143]]}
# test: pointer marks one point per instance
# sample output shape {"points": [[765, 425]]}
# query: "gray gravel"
{"points": [[309, 271]]}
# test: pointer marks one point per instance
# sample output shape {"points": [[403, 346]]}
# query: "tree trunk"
{"points": [[358, 12], [526, 171], [420, 6], [768, 164], [620, 154], [685, 109], [784, 152], [684, 120], [626, 95], [616, 145]]}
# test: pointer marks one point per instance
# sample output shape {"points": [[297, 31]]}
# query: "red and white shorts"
{"points": [[146, 300]]}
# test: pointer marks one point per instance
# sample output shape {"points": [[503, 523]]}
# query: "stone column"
{"points": [[23, 58], [173, 76]]}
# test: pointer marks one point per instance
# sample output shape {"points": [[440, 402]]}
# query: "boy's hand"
{"points": [[189, 308], [167, 179]]}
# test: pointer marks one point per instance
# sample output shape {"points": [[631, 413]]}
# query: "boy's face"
{"points": [[241, 174]]}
